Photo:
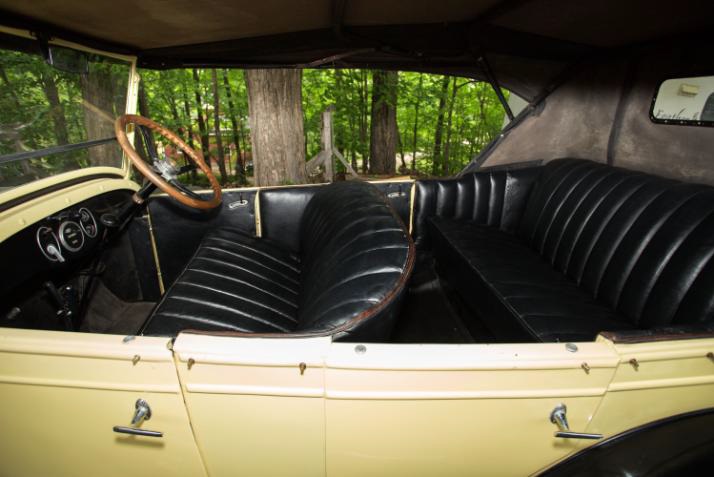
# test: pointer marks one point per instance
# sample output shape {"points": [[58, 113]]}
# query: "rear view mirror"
{"points": [[684, 101], [66, 59]]}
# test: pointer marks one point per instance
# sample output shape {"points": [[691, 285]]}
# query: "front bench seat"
{"points": [[347, 279]]}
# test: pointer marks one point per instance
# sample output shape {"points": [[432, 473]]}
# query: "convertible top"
{"points": [[528, 44]]}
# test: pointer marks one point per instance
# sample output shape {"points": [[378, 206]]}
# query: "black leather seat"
{"points": [[346, 280], [595, 249]]}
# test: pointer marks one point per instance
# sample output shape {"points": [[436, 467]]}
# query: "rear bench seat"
{"points": [[343, 274], [564, 251]]}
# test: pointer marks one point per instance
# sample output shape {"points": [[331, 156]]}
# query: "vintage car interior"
{"points": [[586, 226], [575, 247]]}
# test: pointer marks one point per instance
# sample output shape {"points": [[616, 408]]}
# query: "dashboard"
{"points": [[58, 244], [67, 232]]}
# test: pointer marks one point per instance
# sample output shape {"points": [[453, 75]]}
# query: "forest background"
{"points": [[441, 121], [384, 123]]}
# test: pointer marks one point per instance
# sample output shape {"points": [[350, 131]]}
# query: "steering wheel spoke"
{"points": [[163, 173], [185, 190], [187, 168]]}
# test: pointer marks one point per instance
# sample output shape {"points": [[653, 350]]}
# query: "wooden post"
{"points": [[327, 143], [325, 157]]}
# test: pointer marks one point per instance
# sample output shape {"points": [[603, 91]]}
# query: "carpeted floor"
{"points": [[108, 314]]}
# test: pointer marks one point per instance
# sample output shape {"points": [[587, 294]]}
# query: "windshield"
{"points": [[60, 118]]}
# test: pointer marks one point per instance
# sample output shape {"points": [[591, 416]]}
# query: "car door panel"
{"points": [[663, 378], [256, 405], [62, 393], [457, 409]]}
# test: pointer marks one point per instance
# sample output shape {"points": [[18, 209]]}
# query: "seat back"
{"points": [[357, 257], [638, 242], [493, 197]]}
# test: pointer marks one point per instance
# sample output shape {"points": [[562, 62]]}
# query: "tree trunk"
{"points": [[400, 144], [364, 148], [170, 99], [10, 87], [217, 128], [240, 168], [436, 159], [383, 138], [143, 111], [189, 123], [59, 121], [98, 108], [417, 104], [447, 146], [276, 126], [203, 130]]}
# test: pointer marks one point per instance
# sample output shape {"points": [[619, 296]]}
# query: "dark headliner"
{"points": [[528, 43]]}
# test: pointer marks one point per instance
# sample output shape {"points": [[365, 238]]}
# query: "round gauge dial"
{"points": [[47, 240], [71, 236], [87, 222]]}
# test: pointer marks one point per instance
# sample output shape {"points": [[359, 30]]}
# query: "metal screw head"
{"points": [[128, 338], [360, 349], [572, 347]]}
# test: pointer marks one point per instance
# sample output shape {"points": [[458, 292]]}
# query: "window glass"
{"points": [[688, 101], [42, 106]]}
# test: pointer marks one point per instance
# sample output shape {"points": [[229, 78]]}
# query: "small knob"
{"points": [[53, 251], [109, 220]]}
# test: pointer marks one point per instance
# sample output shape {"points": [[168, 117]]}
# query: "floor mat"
{"points": [[109, 314], [428, 314]]}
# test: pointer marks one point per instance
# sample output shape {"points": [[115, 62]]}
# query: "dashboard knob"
{"points": [[54, 252], [109, 220]]}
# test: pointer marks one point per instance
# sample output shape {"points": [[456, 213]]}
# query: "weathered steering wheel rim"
{"points": [[148, 172]]}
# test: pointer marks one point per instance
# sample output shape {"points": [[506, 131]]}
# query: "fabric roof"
{"points": [[528, 42]]}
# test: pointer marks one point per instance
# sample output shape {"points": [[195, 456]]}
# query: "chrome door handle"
{"points": [[558, 416], [142, 412], [137, 432]]}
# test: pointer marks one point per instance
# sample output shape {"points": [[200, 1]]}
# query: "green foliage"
{"points": [[42, 107], [477, 115], [29, 118]]}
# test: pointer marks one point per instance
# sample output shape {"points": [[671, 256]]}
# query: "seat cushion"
{"points": [[354, 261], [515, 292], [234, 282]]}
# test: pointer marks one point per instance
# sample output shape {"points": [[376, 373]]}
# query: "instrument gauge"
{"points": [[71, 236], [87, 222], [49, 245]]}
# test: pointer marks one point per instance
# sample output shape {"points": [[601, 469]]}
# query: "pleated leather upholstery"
{"points": [[496, 198], [597, 249], [347, 279], [356, 253], [234, 282]]}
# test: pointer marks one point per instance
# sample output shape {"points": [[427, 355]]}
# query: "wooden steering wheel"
{"points": [[163, 173]]}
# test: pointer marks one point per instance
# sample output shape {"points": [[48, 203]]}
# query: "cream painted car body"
{"points": [[238, 406], [235, 406]]}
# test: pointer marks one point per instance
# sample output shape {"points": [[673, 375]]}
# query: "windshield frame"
{"points": [[86, 173]]}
